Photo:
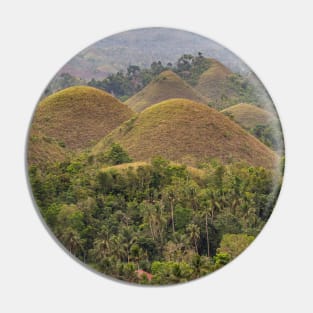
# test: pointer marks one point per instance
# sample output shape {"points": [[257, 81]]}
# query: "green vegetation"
{"points": [[169, 222], [165, 195], [271, 135], [191, 67], [116, 155]]}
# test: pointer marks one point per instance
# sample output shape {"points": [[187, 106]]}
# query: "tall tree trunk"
{"points": [[196, 247], [172, 213], [151, 229], [207, 233]]}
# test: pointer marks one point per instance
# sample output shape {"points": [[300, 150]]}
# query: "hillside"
{"points": [[185, 131], [79, 116], [225, 88], [215, 84], [42, 150], [248, 115], [166, 86]]}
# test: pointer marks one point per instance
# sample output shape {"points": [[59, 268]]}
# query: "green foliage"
{"points": [[234, 244], [221, 259], [190, 67], [271, 135], [117, 155], [154, 217]]}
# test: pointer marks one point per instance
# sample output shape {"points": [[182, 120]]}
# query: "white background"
{"points": [[273, 37]]}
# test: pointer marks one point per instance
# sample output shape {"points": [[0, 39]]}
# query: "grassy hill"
{"points": [[188, 132], [262, 124], [248, 115], [223, 87], [166, 86], [42, 150], [79, 116]]}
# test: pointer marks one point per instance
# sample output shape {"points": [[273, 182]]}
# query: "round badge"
{"points": [[155, 156]]}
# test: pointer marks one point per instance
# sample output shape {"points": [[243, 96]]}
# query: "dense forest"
{"points": [[170, 221]]}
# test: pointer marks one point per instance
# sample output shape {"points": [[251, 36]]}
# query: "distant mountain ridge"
{"points": [[144, 46]]}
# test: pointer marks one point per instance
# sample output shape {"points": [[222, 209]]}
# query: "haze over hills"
{"points": [[79, 116], [248, 115], [166, 86], [186, 131], [142, 47]]}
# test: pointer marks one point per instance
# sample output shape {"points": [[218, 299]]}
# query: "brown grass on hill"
{"points": [[213, 83], [42, 150], [185, 131], [248, 115], [166, 86], [79, 116]]}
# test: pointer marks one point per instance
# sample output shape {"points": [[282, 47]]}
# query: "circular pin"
{"points": [[155, 156]]}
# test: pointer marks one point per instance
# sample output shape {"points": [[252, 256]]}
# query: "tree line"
{"points": [[174, 222]]}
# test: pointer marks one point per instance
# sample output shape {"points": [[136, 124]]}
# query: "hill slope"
{"points": [[78, 116], [185, 131], [166, 86], [42, 150], [223, 87], [213, 82], [248, 115]]}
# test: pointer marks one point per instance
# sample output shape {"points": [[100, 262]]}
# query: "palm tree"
{"points": [[170, 196], [72, 241], [206, 213], [101, 245], [194, 234], [149, 214], [128, 238]]}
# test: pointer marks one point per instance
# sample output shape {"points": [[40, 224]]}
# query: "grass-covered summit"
{"points": [[167, 85], [223, 87], [189, 132], [79, 116], [248, 115]]}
